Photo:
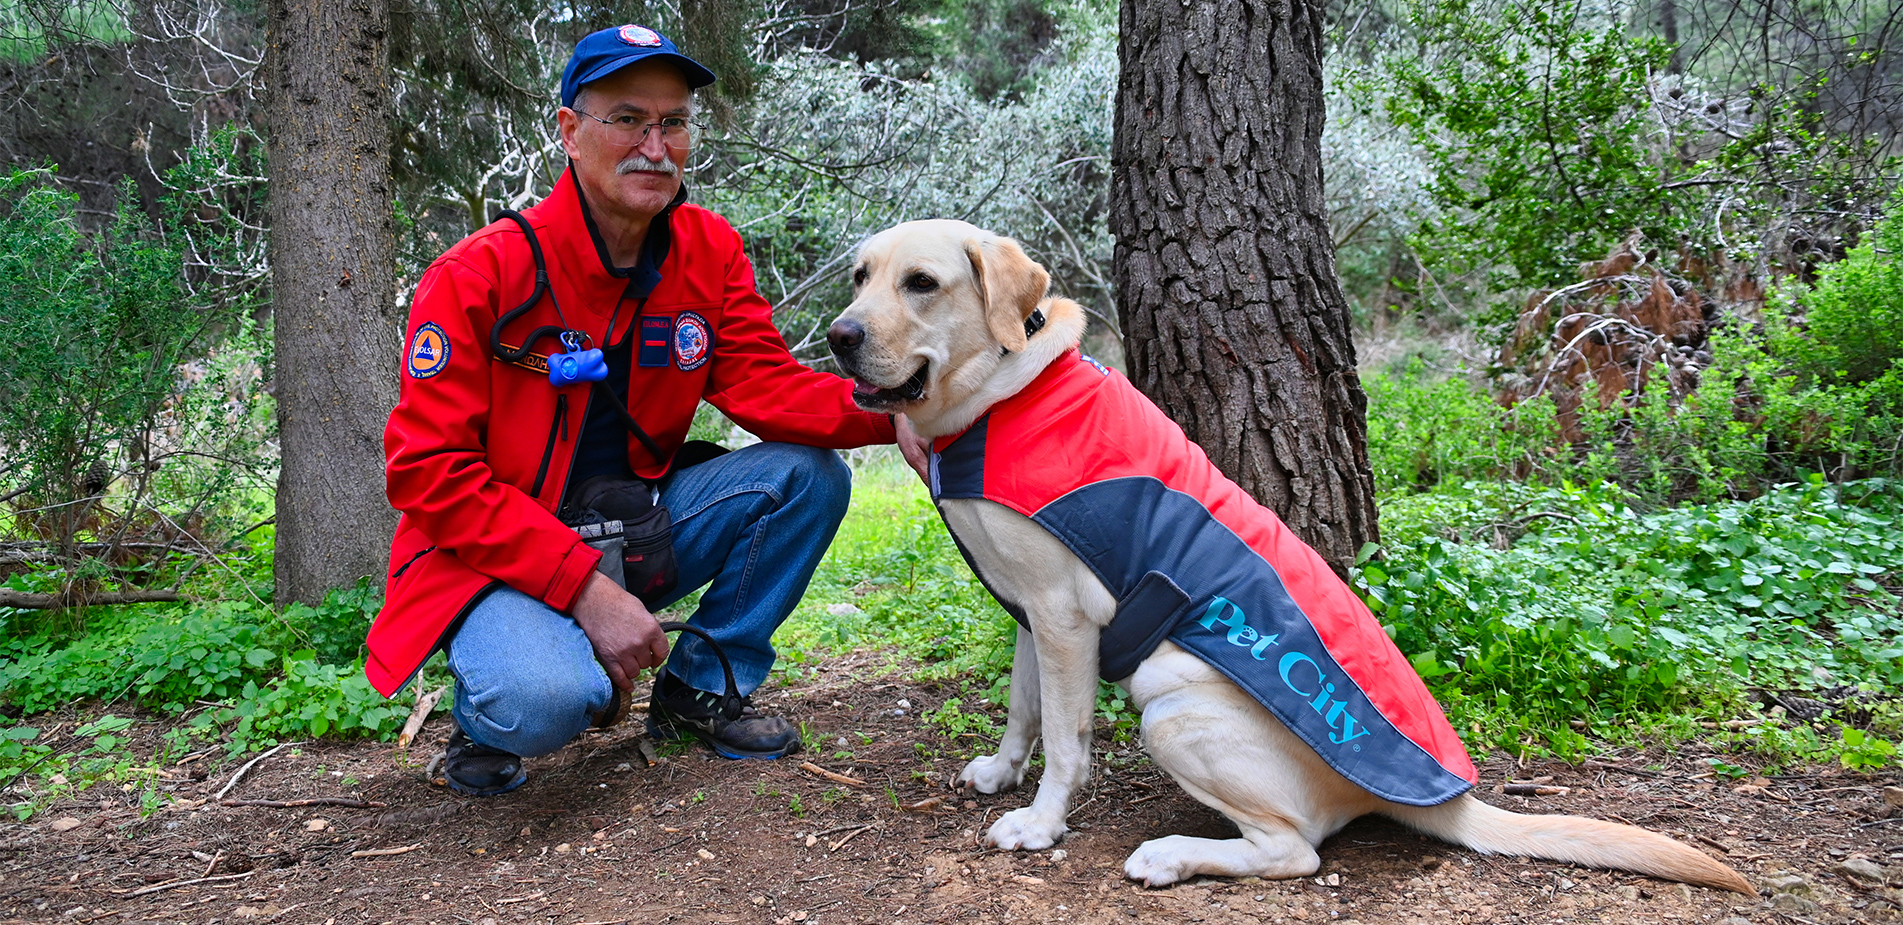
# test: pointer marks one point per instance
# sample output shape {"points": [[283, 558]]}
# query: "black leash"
{"points": [[731, 702]]}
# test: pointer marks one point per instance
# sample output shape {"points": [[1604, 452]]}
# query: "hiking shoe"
{"points": [[676, 709], [476, 770]]}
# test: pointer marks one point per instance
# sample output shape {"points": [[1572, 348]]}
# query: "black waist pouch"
{"points": [[633, 531]]}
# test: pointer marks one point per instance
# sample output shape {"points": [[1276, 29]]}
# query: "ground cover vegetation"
{"points": [[1630, 294]]}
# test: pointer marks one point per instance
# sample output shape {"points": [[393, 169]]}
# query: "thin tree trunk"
{"points": [[338, 332], [1233, 318]]}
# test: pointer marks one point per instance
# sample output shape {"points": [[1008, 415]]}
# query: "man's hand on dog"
{"points": [[916, 449], [626, 637]]}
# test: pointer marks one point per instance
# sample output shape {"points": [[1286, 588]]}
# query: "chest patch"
{"points": [[429, 351], [693, 341]]}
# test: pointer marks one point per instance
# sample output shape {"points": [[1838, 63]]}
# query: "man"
{"points": [[484, 448]]}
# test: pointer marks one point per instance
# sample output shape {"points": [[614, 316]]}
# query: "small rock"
{"points": [[1059, 855], [65, 824], [843, 610], [1861, 869], [1628, 892], [1734, 920], [1432, 862], [1334, 880], [705, 855], [564, 848], [1684, 891], [1893, 796], [1792, 903], [812, 840], [905, 704], [1788, 883], [623, 768], [316, 825]]}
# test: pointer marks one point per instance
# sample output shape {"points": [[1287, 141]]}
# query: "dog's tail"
{"points": [[1490, 830]]}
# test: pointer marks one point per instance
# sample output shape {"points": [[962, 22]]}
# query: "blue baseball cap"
{"points": [[602, 53]]}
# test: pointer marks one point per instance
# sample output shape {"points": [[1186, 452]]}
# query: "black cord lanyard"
{"points": [[563, 333]]}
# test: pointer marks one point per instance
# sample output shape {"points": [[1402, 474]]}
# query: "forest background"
{"points": [[1627, 283]]}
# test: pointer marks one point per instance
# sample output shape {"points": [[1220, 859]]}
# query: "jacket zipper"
{"points": [[557, 427], [406, 566]]}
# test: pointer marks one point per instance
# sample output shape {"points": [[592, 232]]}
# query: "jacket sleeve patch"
{"points": [[429, 351], [693, 341]]}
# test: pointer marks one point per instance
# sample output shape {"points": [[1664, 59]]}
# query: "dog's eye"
{"points": [[920, 282], [859, 276]]}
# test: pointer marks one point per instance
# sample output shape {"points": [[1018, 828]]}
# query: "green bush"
{"points": [[1425, 430], [1847, 328], [1527, 607]]}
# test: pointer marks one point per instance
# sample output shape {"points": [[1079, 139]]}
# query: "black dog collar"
{"points": [[1032, 325]]}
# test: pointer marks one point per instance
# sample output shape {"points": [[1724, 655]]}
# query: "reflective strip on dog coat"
{"points": [[1194, 559]]}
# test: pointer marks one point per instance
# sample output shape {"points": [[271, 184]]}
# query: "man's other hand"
{"points": [[916, 449], [626, 637]]}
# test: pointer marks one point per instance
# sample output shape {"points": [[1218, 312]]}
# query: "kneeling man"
{"points": [[487, 452]]}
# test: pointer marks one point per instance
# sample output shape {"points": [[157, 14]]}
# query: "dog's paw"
{"points": [[1025, 830], [989, 774], [1159, 862]]}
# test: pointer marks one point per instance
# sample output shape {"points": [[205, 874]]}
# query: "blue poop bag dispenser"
{"points": [[576, 365]]}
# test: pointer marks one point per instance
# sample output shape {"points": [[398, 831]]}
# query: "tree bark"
{"points": [[333, 246], [1233, 319]]}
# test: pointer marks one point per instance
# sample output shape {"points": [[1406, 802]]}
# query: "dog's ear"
{"points": [[1011, 285]]}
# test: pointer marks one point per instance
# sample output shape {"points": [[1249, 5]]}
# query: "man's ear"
{"points": [[1011, 285]]}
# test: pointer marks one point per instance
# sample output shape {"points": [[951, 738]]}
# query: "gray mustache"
{"points": [[639, 162]]}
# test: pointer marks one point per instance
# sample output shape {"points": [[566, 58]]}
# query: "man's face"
{"points": [[625, 177]]}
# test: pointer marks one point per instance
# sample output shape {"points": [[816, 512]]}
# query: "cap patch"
{"points": [[693, 341], [640, 35], [429, 351]]}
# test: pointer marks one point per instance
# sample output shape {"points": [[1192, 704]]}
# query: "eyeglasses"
{"points": [[629, 129]]}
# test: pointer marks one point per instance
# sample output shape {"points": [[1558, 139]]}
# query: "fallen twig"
{"points": [[538, 894], [924, 806], [385, 852], [424, 704], [1715, 843], [831, 775], [1533, 790], [235, 778], [161, 887], [25, 601], [347, 802], [835, 846]]}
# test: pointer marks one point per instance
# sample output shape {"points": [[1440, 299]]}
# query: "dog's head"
{"points": [[933, 303]]}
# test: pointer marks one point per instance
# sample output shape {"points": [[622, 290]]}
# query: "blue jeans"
{"points": [[750, 525]]}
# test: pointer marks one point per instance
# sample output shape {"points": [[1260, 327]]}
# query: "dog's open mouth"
{"points": [[873, 398]]}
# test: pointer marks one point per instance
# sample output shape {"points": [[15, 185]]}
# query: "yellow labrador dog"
{"points": [[944, 327]]}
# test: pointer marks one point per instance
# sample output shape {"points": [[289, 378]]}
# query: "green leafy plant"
{"points": [[1865, 751], [1527, 608]]}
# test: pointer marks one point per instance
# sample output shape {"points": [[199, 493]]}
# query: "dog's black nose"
{"points": [[845, 336]]}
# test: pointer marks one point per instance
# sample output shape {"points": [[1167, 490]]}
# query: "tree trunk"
{"points": [[338, 332], [1233, 319]]}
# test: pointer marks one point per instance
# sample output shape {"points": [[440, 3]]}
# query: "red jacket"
{"points": [[479, 450], [1190, 556]]}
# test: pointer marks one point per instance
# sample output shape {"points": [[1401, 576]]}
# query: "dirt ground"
{"points": [[599, 836]]}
